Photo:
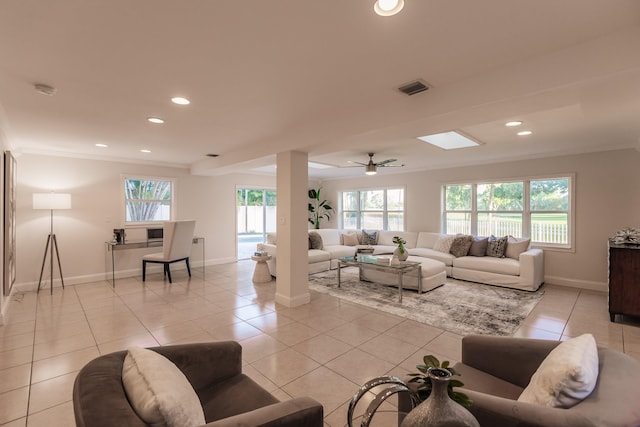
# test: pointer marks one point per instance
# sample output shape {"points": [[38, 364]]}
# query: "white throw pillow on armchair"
{"points": [[566, 376], [158, 391]]}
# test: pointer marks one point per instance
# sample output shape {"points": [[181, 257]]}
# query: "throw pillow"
{"points": [[461, 245], [496, 246], [516, 246], [479, 246], [443, 244], [350, 239], [315, 240], [272, 238], [566, 376], [369, 237], [158, 391]]}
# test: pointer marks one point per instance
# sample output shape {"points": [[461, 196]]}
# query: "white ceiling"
{"points": [[318, 76]]}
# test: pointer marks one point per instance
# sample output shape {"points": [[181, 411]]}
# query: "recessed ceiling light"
{"points": [[180, 101], [513, 123], [388, 7], [449, 140], [524, 133], [145, 151], [156, 120]]}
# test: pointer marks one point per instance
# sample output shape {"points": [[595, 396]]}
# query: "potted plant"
{"points": [[424, 386], [402, 252], [318, 209]]}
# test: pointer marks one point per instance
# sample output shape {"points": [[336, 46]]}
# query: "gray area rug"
{"points": [[457, 306]]}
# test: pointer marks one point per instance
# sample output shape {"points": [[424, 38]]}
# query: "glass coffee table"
{"points": [[368, 262]]}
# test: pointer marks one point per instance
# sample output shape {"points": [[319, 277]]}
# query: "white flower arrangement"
{"points": [[626, 236]]}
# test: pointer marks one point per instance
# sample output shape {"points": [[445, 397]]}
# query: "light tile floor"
{"points": [[325, 349]]}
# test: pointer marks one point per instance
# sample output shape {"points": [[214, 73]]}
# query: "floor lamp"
{"points": [[51, 201]]}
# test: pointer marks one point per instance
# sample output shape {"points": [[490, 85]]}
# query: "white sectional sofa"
{"points": [[525, 273]]}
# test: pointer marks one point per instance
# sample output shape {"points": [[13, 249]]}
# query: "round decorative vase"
{"points": [[401, 256], [439, 410]]}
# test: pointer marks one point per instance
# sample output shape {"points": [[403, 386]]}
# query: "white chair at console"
{"points": [[176, 246]]}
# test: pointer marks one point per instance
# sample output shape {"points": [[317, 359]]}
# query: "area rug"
{"points": [[457, 306]]}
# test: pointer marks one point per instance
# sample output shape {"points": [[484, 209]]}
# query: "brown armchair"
{"points": [[495, 370], [228, 397]]}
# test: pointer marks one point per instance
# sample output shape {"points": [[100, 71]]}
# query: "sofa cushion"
{"points": [[272, 238], [330, 236], [386, 238], [478, 246], [516, 246], [315, 240], [158, 391], [496, 246], [446, 258], [427, 239], [316, 255], [566, 376], [339, 251], [461, 245], [443, 244], [350, 239], [369, 237], [506, 266]]}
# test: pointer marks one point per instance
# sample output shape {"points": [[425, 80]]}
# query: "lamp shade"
{"points": [[51, 201]]}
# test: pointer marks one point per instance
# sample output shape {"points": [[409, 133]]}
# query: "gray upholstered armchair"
{"points": [[228, 397], [495, 370]]}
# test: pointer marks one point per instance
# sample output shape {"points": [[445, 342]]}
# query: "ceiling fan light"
{"points": [[370, 169], [388, 7]]}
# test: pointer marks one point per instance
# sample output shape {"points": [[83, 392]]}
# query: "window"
{"points": [[148, 200], [379, 209], [539, 208]]}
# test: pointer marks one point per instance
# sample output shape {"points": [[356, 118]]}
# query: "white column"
{"points": [[292, 287]]}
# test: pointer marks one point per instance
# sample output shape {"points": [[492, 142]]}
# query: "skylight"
{"points": [[449, 140]]}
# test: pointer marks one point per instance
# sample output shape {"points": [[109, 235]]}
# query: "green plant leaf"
{"points": [[431, 361]]}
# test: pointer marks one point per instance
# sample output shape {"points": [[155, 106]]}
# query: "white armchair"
{"points": [[177, 237]]}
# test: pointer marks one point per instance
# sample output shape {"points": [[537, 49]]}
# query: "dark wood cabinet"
{"points": [[624, 280]]}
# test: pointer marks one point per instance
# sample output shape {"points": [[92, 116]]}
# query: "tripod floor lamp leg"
{"points": [[44, 259], [55, 244]]}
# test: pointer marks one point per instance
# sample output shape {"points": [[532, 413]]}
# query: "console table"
{"points": [[624, 280], [137, 244]]}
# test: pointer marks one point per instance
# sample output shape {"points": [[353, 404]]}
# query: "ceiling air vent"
{"points": [[413, 88]]}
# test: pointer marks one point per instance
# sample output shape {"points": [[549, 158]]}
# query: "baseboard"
{"points": [[576, 283], [119, 274], [295, 301]]}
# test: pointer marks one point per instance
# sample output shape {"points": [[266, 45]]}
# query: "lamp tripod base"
{"points": [[52, 244]]}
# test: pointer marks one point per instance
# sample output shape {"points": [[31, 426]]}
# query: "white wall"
{"points": [[96, 192], [607, 199], [607, 189]]}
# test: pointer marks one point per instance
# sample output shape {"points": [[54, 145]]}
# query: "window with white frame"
{"points": [[148, 200], [537, 208], [377, 209]]}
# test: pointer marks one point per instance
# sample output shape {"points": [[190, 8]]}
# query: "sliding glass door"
{"points": [[255, 217]]}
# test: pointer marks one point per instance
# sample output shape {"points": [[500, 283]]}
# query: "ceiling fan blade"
{"points": [[390, 166], [384, 162], [357, 163]]}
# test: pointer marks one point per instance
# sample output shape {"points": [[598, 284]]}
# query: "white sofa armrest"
{"points": [[532, 268], [272, 250]]}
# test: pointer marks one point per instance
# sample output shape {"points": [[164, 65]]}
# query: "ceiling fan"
{"points": [[372, 167]]}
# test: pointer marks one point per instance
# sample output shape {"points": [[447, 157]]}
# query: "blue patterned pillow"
{"points": [[496, 247], [369, 237]]}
